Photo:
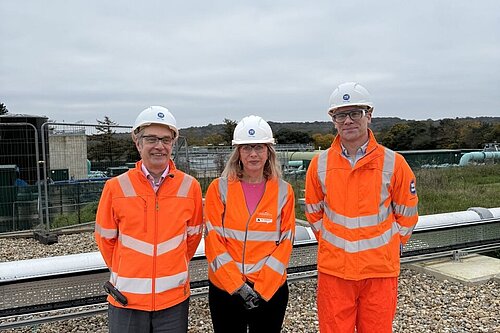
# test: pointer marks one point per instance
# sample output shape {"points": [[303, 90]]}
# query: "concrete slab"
{"points": [[471, 269]]}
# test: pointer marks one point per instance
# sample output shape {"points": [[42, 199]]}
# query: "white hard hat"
{"points": [[156, 115], [349, 94], [252, 129]]}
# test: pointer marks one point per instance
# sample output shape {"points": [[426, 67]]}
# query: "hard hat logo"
{"points": [[349, 94], [156, 115], [252, 129]]}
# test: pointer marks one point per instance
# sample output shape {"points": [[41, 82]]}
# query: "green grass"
{"points": [[439, 191], [445, 190], [87, 214], [457, 189]]}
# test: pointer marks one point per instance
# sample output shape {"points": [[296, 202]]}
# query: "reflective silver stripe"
{"points": [[314, 208], [282, 196], [220, 260], [383, 213], [106, 233], [170, 244], [113, 278], [137, 245], [144, 286], [126, 185], [276, 265], [223, 189], [322, 164], [405, 210], [252, 268], [286, 235], [360, 221], [405, 231], [185, 186], [251, 235], [170, 282], [209, 226], [363, 244], [194, 230], [134, 285], [387, 172], [317, 226]]}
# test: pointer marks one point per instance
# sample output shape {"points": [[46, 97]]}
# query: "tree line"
{"points": [[394, 133], [459, 133]]}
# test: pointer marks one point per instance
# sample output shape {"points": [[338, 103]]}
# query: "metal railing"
{"points": [[70, 288]]}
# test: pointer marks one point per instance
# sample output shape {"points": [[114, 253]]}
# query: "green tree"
{"points": [[3, 109], [287, 136], [229, 126], [105, 126], [493, 135], [322, 141], [104, 146], [446, 134], [214, 139]]}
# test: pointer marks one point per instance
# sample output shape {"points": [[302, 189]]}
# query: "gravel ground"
{"points": [[425, 303]]}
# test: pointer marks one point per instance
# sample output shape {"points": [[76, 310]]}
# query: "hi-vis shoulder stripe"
{"points": [[362, 221], [282, 198], [129, 191], [126, 185]]}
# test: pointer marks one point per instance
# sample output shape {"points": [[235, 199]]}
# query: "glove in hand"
{"points": [[250, 298]]}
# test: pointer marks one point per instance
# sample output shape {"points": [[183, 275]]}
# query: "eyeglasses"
{"points": [[258, 148], [153, 140], [353, 114]]}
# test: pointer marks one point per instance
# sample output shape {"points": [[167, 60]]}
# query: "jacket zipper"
{"points": [[246, 231], [153, 293]]}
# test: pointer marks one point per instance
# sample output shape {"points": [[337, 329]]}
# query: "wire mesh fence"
{"points": [[52, 174]]}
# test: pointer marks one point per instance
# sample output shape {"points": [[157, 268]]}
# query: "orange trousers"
{"points": [[369, 305]]}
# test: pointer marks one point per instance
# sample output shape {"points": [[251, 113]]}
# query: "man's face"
{"points": [[354, 131], [155, 154]]}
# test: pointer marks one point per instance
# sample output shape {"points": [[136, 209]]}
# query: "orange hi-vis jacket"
{"points": [[252, 248], [361, 215], [147, 239]]}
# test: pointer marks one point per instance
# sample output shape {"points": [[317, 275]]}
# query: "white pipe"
{"points": [[478, 156]]}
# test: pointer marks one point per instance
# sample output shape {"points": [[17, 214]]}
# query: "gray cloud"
{"points": [[210, 60]]}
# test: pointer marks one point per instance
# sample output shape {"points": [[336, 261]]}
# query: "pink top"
{"points": [[253, 194], [155, 185]]}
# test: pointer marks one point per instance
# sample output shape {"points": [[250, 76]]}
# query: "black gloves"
{"points": [[250, 298]]}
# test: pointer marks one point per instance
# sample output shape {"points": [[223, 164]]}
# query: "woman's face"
{"points": [[253, 157]]}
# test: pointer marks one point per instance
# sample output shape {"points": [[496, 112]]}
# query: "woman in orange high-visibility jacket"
{"points": [[148, 226], [250, 216], [361, 202]]}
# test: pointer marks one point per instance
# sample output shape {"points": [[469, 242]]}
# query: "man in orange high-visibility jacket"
{"points": [[361, 202], [148, 226]]}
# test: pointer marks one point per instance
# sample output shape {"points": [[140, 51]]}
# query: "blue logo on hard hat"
{"points": [[251, 131], [346, 97], [160, 115]]}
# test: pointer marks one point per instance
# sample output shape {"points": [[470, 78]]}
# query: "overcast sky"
{"points": [[210, 60]]}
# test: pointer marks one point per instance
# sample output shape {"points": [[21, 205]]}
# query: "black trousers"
{"points": [[171, 320], [230, 316]]}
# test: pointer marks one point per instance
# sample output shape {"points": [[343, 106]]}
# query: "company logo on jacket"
{"points": [[264, 217], [413, 189]]}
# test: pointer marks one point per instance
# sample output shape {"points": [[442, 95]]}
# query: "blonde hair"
{"points": [[234, 167]]}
